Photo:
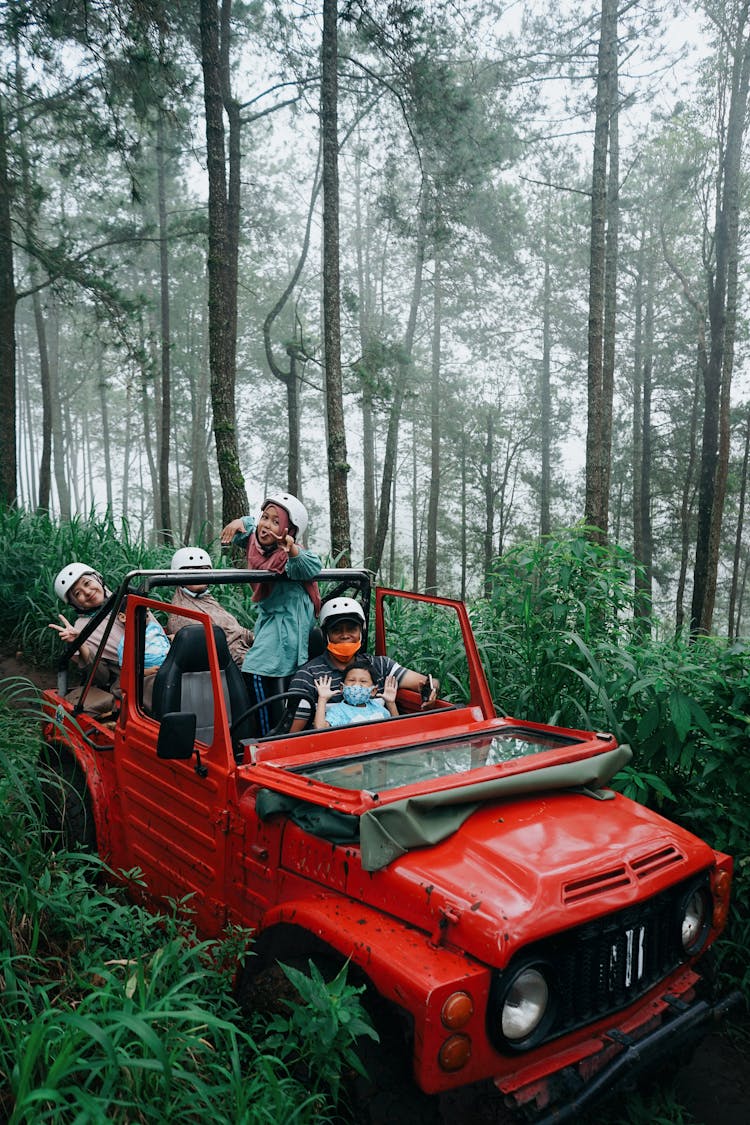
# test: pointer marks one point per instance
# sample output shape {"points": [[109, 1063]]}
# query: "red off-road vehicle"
{"points": [[533, 927]]}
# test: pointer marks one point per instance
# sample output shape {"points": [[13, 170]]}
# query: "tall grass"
{"points": [[34, 549], [109, 1012]]}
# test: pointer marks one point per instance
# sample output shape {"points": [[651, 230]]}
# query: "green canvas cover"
{"points": [[390, 830]]}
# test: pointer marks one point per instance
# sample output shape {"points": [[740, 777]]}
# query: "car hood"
{"points": [[520, 870]]}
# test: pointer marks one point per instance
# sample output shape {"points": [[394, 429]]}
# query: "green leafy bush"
{"points": [[551, 602], [322, 1032]]}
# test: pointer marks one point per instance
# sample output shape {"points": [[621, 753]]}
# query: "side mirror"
{"points": [[176, 740]]}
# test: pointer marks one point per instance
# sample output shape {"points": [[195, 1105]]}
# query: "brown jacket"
{"points": [[238, 638]]}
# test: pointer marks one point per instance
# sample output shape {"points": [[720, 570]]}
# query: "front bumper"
{"points": [[636, 1057]]}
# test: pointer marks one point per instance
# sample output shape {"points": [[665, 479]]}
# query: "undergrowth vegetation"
{"points": [[110, 1013]]}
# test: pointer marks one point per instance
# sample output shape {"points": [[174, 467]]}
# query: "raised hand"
{"points": [[323, 688], [66, 631], [233, 528], [390, 688]]}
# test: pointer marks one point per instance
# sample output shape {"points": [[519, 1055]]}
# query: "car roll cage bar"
{"points": [[142, 582]]}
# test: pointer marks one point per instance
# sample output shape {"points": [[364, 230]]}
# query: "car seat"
{"points": [[183, 682]]}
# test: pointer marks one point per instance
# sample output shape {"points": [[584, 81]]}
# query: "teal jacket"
{"points": [[285, 617]]}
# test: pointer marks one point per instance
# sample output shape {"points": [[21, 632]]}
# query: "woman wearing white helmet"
{"points": [[198, 596], [343, 623], [83, 588], [286, 610]]}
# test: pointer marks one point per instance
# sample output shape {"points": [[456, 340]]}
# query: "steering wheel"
{"points": [[263, 703]]}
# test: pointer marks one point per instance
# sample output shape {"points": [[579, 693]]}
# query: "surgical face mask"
{"points": [[345, 650], [356, 694]]}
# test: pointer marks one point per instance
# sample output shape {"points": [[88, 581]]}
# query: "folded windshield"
{"points": [[389, 769]]}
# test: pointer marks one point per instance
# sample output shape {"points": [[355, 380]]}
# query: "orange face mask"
{"points": [[345, 650]]}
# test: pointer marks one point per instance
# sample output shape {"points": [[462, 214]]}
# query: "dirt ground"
{"points": [[713, 1086], [716, 1083]]}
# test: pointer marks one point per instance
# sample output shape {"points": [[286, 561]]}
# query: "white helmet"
{"points": [[68, 577], [191, 558], [341, 609], [296, 509]]}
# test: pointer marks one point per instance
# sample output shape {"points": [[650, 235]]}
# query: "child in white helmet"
{"points": [[286, 610], [199, 596]]}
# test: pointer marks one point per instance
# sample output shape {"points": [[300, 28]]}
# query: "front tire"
{"points": [[68, 808]]}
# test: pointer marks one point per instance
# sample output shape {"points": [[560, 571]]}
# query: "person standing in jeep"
{"points": [[343, 623], [286, 610]]}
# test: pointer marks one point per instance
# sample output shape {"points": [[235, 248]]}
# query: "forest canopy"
{"points": [[481, 271]]}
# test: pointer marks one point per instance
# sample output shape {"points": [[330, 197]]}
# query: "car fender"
{"points": [[401, 960]]}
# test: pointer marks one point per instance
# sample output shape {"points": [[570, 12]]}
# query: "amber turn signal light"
{"points": [[455, 1052], [457, 1010]]}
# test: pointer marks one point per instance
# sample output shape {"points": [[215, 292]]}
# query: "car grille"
{"points": [[605, 965]]}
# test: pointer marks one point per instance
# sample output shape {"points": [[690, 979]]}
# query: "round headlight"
{"points": [[525, 1004], [696, 918]]}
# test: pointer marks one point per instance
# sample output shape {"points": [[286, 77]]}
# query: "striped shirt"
{"points": [[303, 681]]}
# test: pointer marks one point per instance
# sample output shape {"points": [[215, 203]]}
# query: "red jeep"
{"points": [[532, 926]]}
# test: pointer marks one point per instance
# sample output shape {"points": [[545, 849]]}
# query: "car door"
{"points": [[174, 812]]}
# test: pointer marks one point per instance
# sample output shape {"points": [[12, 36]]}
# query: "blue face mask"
{"points": [[356, 694]]}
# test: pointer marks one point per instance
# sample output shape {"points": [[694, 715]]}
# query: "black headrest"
{"points": [[190, 652], [316, 643]]}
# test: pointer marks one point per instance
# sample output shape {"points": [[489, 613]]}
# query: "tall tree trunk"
{"points": [[688, 488], [610, 282], [399, 390], [58, 443], [26, 446], [69, 450], [8, 466], [646, 579], [147, 430], [43, 499], [414, 500], [365, 331], [430, 581], [164, 515], [291, 378], [464, 513], [722, 304], [129, 414], [637, 413], [294, 464], [106, 459], [743, 587], [87, 463], [338, 467], [489, 501], [597, 467], [221, 294], [394, 497], [734, 615], [45, 465], [545, 388]]}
